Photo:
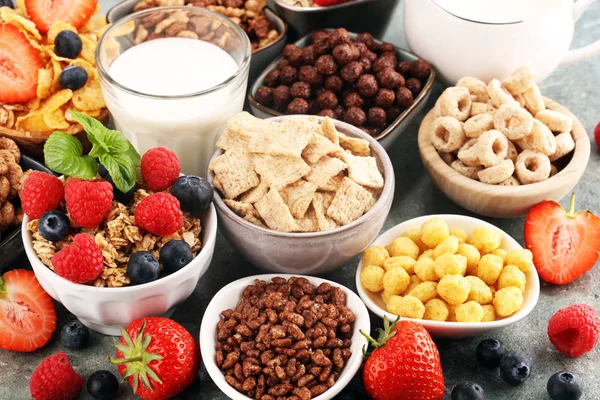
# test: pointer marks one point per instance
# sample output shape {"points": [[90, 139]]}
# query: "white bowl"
{"points": [[453, 330], [107, 310], [229, 296]]}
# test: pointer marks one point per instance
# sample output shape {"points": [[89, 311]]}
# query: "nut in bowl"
{"points": [[495, 290], [338, 364]]}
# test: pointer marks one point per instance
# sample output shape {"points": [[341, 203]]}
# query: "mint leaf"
{"points": [[121, 169], [104, 140], [63, 153]]}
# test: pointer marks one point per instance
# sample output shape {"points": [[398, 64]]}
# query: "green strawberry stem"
{"points": [[2, 286], [384, 335], [124, 360], [571, 213]]}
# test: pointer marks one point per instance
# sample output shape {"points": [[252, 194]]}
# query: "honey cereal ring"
{"points": [[556, 121], [520, 100], [448, 158], [492, 147], [512, 181], [476, 88], [447, 134], [481, 108], [497, 173], [10, 145], [467, 154], [469, 172], [4, 188], [478, 124], [564, 145], [518, 82], [455, 102], [7, 215], [540, 140], [498, 95], [14, 175], [515, 122], [553, 170], [534, 102], [532, 167], [512, 153]]}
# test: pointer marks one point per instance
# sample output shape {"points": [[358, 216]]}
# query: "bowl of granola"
{"points": [[300, 194]]}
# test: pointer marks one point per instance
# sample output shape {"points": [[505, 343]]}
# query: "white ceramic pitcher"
{"points": [[491, 38]]}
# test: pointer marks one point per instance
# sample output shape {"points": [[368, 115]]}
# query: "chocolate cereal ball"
{"points": [[289, 49], [382, 63], [338, 36], [296, 57], [389, 54], [327, 113], [327, 99], [353, 99], [392, 113], [301, 89], [339, 111], [326, 64], [321, 47], [404, 68], [334, 83], [376, 117], [385, 98], [309, 74], [366, 63], [319, 34], [386, 47], [345, 53], [367, 85], [414, 85], [308, 55], [288, 75], [298, 106], [389, 78], [404, 97], [281, 97], [352, 71], [420, 69], [283, 63], [371, 130], [364, 37], [272, 78], [355, 116], [264, 95]]}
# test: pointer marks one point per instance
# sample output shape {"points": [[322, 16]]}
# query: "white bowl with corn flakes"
{"points": [[458, 276]]}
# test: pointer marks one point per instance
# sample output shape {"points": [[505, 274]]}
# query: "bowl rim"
{"points": [[580, 153], [39, 267], [525, 309], [317, 9], [425, 90], [215, 307], [376, 148]]}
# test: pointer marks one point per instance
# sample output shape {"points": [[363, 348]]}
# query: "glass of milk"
{"points": [[174, 87]]}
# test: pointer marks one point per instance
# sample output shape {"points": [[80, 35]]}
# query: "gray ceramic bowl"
{"points": [[309, 253], [260, 58], [387, 136]]}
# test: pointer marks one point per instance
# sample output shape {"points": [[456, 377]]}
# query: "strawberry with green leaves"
{"points": [[404, 364]]}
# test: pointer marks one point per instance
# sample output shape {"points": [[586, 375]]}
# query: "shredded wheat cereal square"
{"points": [[350, 202], [280, 171], [363, 170], [318, 147], [325, 169], [275, 213], [255, 194], [328, 130], [308, 223], [235, 173], [321, 203], [357, 146], [298, 197]]}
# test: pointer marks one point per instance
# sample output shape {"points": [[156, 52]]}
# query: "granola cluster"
{"points": [[118, 238]]}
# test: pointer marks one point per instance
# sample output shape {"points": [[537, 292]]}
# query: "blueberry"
{"points": [[74, 335], [194, 193], [174, 255], [123, 198], [102, 385], [515, 368], [7, 3], [73, 78], [67, 44], [467, 391], [54, 225], [489, 352], [564, 386], [102, 171], [143, 267]]}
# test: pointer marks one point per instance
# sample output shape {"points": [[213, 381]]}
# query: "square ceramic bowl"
{"points": [[389, 134], [453, 330], [107, 310], [229, 296], [316, 252]]}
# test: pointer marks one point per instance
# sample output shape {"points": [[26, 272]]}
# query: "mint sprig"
{"points": [[64, 154]]}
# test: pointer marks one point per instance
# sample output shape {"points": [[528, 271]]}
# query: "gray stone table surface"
{"points": [[576, 88]]}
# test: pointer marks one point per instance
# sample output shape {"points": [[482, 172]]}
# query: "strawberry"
{"points": [[597, 135], [405, 364], [27, 315], [161, 354], [19, 64], [564, 245], [327, 3], [44, 13]]}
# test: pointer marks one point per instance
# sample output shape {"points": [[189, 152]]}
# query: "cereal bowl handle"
{"points": [[592, 49]]}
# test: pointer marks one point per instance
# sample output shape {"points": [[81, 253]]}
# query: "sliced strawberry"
{"points": [[27, 315], [46, 12], [328, 3], [19, 65], [597, 135], [564, 245]]}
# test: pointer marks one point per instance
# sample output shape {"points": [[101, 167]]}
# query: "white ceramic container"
{"points": [[229, 296], [453, 330]]}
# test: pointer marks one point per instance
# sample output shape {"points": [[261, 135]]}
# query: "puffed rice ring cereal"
{"points": [[455, 102], [534, 102], [512, 181], [564, 145], [518, 82], [515, 122], [476, 87], [481, 108], [557, 122], [541, 139], [478, 124], [532, 167], [467, 154], [498, 94], [497, 173], [447, 134], [492, 147], [512, 153], [469, 172]]}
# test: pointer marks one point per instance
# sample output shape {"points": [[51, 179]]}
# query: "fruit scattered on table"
{"points": [[489, 352], [404, 364], [597, 135], [74, 335], [439, 274], [467, 391], [515, 368], [41, 192], [158, 357], [574, 330], [565, 245], [564, 386], [55, 379], [102, 385], [143, 267], [27, 315]]}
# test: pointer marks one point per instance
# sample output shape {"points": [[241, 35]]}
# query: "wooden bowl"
{"points": [[504, 201], [32, 143]]}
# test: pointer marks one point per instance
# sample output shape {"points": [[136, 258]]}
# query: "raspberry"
{"points": [[88, 201], [55, 379], [159, 214], [597, 135], [574, 330], [160, 168], [41, 192], [79, 262]]}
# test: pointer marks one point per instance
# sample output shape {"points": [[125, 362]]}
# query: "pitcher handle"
{"points": [[584, 52]]}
